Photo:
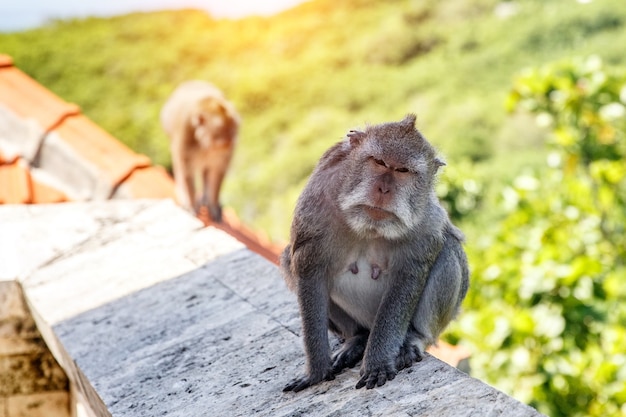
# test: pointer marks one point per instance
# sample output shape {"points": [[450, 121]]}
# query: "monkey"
{"points": [[373, 256], [202, 126]]}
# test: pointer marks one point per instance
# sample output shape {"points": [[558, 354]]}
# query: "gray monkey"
{"points": [[373, 256]]}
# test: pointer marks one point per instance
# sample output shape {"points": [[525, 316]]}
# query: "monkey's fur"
{"points": [[202, 126], [373, 256]]}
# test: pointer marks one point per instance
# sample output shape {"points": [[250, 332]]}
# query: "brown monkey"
{"points": [[373, 256], [202, 126]]}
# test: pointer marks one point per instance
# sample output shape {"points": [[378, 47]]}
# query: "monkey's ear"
{"points": [[439, 163], [356, 137], [409, 119]]}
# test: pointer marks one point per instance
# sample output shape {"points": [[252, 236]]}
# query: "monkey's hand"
{"points": [[375, 376], [303, 382]]}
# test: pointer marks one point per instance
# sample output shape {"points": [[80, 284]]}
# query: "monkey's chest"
{"points": [[358, 289]]}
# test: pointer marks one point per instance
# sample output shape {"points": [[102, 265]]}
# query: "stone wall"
{"points": [[149, 313], [32, 384]]}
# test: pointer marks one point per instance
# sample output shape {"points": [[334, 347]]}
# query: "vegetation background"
{"points": [[525, 99]]}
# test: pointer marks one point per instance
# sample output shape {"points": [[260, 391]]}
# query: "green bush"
{"points": [[546, 311]]}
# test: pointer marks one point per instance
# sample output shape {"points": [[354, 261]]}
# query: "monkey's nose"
{"points": [[383, 189]]}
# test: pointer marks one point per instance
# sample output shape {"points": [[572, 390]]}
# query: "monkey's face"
{"points": [[387, 190], [211, 125]]}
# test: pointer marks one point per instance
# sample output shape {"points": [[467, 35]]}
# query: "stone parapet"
{"points": [[150, 313]]}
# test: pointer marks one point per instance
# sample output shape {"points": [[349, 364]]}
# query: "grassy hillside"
{"points": [[301, 79]]}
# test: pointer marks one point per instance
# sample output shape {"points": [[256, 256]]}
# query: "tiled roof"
{"points": [[50, 152], [17, 185]]}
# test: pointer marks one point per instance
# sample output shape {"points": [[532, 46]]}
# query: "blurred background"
{"points": [[525, 99]]}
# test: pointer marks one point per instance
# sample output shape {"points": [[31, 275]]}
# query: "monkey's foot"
{"points": [[350, 353], [408, 355], [375, 376], [216, 213], [303, 382]]}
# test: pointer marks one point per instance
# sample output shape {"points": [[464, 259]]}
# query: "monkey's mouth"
{"points": [[376, 213]]}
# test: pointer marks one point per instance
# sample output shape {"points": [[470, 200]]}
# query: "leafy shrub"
{"points": [[460, 190], [547, 308]]}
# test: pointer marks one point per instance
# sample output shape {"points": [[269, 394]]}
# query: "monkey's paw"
{"points": [[303, 382], [216, 213], [408, 355], [350, 353], [376, 377]]}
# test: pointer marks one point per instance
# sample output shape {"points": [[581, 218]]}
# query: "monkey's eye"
{"points": [[380, 162], [402, 170]]}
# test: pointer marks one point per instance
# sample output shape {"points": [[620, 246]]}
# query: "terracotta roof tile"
{"points": [[15, 184], [77, 141], [115, 160], [149, 182], [45, 194], [256, 241], [5, 61], [450, 354], [29, 99]]}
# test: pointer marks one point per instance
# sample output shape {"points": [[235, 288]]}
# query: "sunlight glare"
{"points": [[240, 8]]}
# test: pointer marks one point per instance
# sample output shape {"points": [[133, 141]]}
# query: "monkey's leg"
{"points": [[313, 299], [355, 339], [204, 198], [350, 353], [212, 179], [389, 331], [409, 352], [183, 177], [442, 295]]}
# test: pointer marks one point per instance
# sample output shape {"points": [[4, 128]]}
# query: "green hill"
{"points": [[302, 78]]}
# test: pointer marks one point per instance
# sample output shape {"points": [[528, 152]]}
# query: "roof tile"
{"points": [[15, 184], [450, 354], [19, 137], [5, 61], [43, 193], [30, 100], [255, 241], [112, 158], [149, 182]]}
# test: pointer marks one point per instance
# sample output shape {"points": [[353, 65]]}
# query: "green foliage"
{"points": [[460, 190], [583, 105], [547, 308]]}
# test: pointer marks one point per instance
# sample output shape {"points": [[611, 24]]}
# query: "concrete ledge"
{"points": [[151, 314]]}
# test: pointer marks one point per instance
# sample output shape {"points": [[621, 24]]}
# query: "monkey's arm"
{"points": [[391, 325], [308, 273], [313, 299], [183, 172]]}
